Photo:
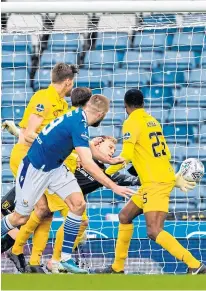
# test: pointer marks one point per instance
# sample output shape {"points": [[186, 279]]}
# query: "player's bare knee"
{"points": [[17, 219], [79, 207], [153, 231], [123, 217], [42, 211]]}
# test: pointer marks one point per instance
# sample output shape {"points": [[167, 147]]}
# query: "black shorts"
{"points": [[8, 202]]}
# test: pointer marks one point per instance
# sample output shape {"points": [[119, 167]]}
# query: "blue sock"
{"points": [[71, 229], [5, 225]]}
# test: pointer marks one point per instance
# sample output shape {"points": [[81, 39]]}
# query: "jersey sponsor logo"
{"points": [[85, 136], [6, 205], [151, 124], [40, 107], [126, 136]]}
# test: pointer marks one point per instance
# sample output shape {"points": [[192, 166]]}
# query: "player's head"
{"points": [[107, 146], [96, 109], [133, 99], [80, 96], [63, 76]]}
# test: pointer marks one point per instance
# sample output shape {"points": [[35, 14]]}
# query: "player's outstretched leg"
{"points": [[155, 222], [126, 216], [77, 205]]}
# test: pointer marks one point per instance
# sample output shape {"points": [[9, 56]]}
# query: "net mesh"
{"points": [[162, 54]]}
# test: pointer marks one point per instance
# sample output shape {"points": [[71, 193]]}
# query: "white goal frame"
{"points": [[103, 6]]}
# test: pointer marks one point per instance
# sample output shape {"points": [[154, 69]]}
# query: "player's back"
{"points": [[151, 153], [58, 139]]}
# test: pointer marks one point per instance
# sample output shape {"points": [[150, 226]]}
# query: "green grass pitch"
{"points": [[102, 282]]}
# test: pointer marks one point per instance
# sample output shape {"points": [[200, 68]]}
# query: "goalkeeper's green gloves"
{"points": [[183, 184]]}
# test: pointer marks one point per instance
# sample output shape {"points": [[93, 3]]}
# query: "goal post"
{"points": [[156, 46]]}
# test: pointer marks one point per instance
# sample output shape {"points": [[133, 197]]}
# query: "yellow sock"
{"points": [[39, 241], [169, 243], [25, 233], [58, 244], [122, 246], [59, 241]]}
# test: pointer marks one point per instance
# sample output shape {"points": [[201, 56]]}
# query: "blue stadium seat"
{"points": [[101, 60], [196, 77], [203, 59], [141, 60], [94, 211], [7, 138], [111, 40], [194, 151], [175, 60], [191, 96], [179, 133], [181, 207], [112, 119], [203, 133], [177, 196], [16, 60], [15, 112], [15, 96], [176, 152], [202, 192], [50, 58], [156, 40], [129, 78], [186, 41], [6, 187], [7, 175], [16, 43], [65, 42], [186, 115], [101, 196], [115, 93], [158, 113], [42, 79], [108, 130], [15, 78], [160, 19], [6, 151], [155, 96], [167, 77], [92, 78]]}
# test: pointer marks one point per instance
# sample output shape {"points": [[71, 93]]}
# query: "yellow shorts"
{"points": [[55, 203], [18, 152], [153, 196]]}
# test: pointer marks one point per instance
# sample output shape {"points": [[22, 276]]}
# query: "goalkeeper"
{"points": [[145, 145], [88, 185]]}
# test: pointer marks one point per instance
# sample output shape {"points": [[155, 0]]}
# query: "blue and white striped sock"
{"points": [[5, 225], [71, 229]]}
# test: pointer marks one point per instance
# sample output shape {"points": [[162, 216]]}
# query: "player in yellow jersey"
{"points": [[145, 146]]}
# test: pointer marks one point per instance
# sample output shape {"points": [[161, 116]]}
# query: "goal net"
{"points": [[164, 55]]}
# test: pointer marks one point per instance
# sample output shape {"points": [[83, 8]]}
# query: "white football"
{"points": [[192, 170]]}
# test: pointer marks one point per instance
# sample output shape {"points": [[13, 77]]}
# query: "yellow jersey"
{"points": [[145, 146], [46, 103]]}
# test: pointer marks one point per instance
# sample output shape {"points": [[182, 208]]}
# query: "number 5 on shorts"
{"points": [[144, 198]]}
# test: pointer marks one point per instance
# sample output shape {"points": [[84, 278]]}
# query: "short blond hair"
{"points": [[111, 138], [99, 103]]}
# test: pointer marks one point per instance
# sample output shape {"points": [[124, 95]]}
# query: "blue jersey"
{"points": [[57, 140]]}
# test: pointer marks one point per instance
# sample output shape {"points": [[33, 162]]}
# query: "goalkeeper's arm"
{"points": [[11, 127]]}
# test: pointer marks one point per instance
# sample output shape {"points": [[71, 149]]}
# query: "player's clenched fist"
{"points": [[123, 191]]}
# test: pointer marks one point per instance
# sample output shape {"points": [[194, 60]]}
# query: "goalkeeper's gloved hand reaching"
{"points": [[10, 127], [183, 184]]}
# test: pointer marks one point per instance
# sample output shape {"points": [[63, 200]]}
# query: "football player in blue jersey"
{"points": [[43, 169]]}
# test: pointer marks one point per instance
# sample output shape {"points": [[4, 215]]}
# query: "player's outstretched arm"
{"points": [[10, 126], [183, 184], [97, 155], [33, 124], [90, 166]]}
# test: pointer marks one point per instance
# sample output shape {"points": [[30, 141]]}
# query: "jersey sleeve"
{"points": [[80, 135], [39, 105]]}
